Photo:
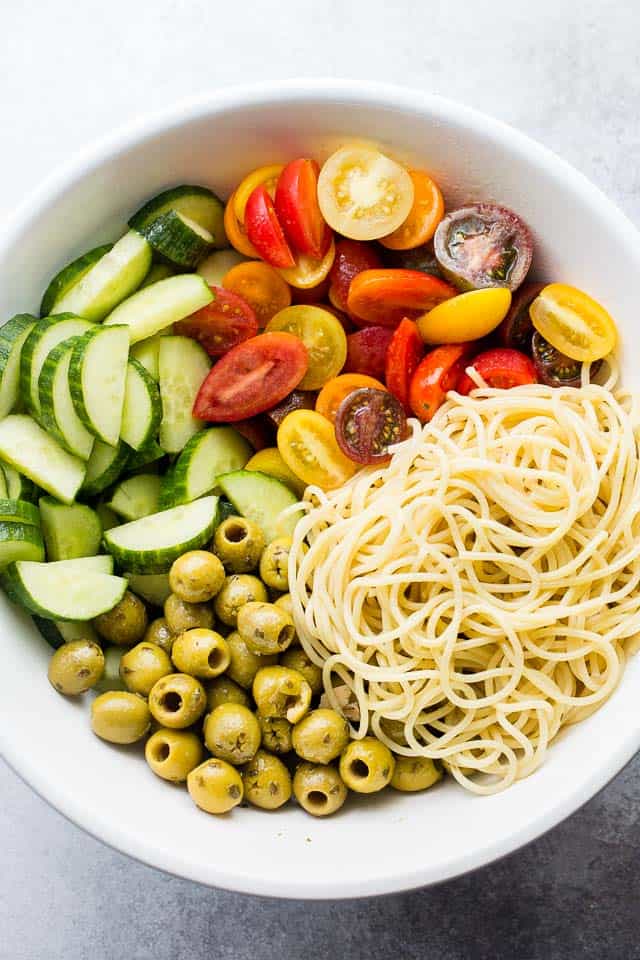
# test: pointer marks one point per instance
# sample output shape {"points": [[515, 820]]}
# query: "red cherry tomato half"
{"points": [[258, 431], [352, 257], [222, 324], [367, 351], [298, 210], [252, 378], [500, 368], [264, 230], [437, 373], [368, 422], [384, 297], [404, 353]]}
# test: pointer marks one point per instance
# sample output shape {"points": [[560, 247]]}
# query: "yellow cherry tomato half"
{"points": [[262, 177], [307, 444], [308, 272], [236, 234], [363, 194], [469, 316], [323, 336], [426, 213], [269, 461], [334, 392], [573, 322]]}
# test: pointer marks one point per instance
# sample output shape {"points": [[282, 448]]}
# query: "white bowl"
{"points": [[390, 842]]}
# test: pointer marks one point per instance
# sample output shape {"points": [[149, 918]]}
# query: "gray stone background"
{"points": [[567, 73]]}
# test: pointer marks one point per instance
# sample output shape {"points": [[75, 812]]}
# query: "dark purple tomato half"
{"points": [[516, 330], [554, 368], [296, 400], [368, 422]]}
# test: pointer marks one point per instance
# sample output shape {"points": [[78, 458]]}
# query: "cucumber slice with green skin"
{"points": [[208, 454], [62, 594], [19, 511], [4, 489], [108, 518], [57, 411], [152, 587], [104, 466], [19, 487], [183, 365], [32, 451], [100, 564], [20, 541], [147, 352], [42, 339], [178, 239], [157, 271], [152, 544], [110, 280], [58, 632], [142, 409], [152, 309], [137, 496], [12, 337], [111, 679], [147, 455], [69, 531], [261, 498], [69, 275], [97, 379], [196, 203], [218, 264]]}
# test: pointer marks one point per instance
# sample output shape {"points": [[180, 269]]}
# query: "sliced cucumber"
{"points": [[69, 275], [4, 489], [111, 679], [208, 454], [33, 452], [147, 352], [142, 458], [157, 271], [57, 632], [12, 337], [20, 541], [69, 531], [19, 511], [142, 410], [104, 466], [152, 309], [177, 238], [19, 487], [137, 496], [152, 544], [108, 518], [183, 366], [196, 203], [97, 379], [100, 564], [57, 412], [110, 280], [57, 593], [261, 498], [152, 587], [45, 335], [217, 264]]}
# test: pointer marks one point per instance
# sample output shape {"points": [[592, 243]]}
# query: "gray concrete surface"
{"points": [[565, 72]]}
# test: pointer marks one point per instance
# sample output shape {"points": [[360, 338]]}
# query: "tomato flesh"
{"points": [[307, 444], [264, 230], [368, 422], [516, 329], [425, 215], [296, 203], [334, 392], [384, 297], [261, 286], [404, 353], [352, 257], [296, 400], [323, 336], [573, 322], [501, 369], [222, 324], [436, 374], [367, 351]]}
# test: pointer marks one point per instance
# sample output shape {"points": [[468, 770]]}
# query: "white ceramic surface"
{"points": [[390, 842]]}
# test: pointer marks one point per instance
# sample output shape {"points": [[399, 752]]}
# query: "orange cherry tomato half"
{"points": [[500, 368], [236, 233], [334, 392], [404, 353], [263, 176], [352, 257], [298, 210], [436, 374], [307, 272], [264, 230], [384, 297], [252, 378], [425, 215], [222, 324], [261, 286]]}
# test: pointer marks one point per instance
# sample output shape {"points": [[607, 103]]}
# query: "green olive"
{"points": [[158, 632], [177, 701], [276, 734], [125, 624], [232, 733], [284, 602], [142, 667], [274, 563], [244, 664], [319, 789], [196, 576], [265, 628], [296, 659], [224, 690], [110, 679], [201, 653], [238, 589], [120, 717], [366, 765], [173, 754], [239, 542], [267, 782], [415, 773], [394, 729], [215, 786], [321, 736], [76, 667], [182, 616], [279, 692]]}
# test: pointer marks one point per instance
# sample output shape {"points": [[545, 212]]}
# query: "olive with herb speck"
{"points": [[319, 789], [279, 692], [239, 542], [224, 690], [415, 773], [265, 628], [215, 786], [244, 664], [120, 717], [201, 653], [296, 659], [267, 782], [238, 589], [177, 701], [181, 616], [142, 667], [232, 733], [367, 765], [158, 632], [173, 754], [276, 734], [76, 667], [274, 563], [196, 576], [125, 624], [321, 736]]}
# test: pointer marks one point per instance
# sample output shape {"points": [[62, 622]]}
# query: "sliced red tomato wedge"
{"points": [[264, 230], [298, 210], [352, 257], [384, 297], [436, 374], [500, 368], [252, 378], [367, 351], [222, 324], [404, 353]]}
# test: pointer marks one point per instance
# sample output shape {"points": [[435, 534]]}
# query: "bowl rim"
{"points": [[373, 93]]}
